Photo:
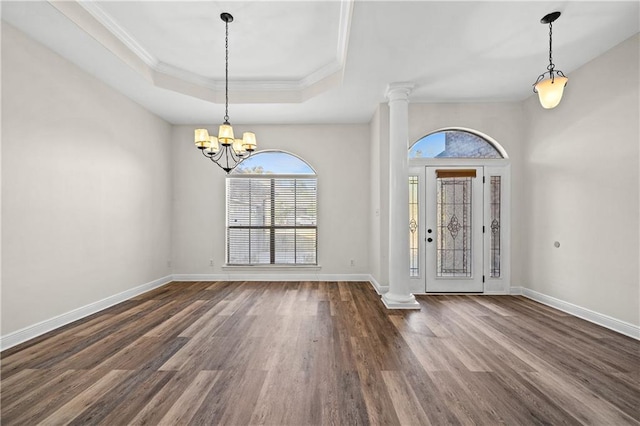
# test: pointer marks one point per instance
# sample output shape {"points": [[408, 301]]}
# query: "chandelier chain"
{"points": [[226, 73], [551, 64]]}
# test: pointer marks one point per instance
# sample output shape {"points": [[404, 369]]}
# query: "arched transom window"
{"points": [[272, 211], [455, 143]]}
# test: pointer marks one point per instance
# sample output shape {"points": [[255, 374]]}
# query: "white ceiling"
{"points": [[323, 61]]}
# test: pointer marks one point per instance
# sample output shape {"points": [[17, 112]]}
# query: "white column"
{"points": [[399, 296]]}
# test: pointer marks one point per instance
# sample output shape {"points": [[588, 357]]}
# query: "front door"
{"points": [[454, 234]]}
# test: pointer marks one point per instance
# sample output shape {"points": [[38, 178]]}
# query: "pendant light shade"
{"points": [[249, 141], [550, 88], [225, 134], [202, 138], [213, 145], [550, 91]]}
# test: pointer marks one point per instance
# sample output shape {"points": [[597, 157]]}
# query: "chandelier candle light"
{"points": [[224, 150], [550, 89]]}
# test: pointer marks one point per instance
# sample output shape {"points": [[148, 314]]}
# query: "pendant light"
{"points": [[550, 89], [224, 150]]}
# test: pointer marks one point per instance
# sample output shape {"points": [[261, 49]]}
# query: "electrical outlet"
{"points": [[168, 264], [353, 262], [210, 262]]}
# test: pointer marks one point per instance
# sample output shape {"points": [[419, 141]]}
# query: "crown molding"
{"points": [[120, 33]]}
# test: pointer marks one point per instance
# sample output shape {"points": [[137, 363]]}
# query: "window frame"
{"points": [[272, 227]]}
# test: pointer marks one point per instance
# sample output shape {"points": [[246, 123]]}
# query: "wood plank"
{"points": [[186, 406], [231, 405], [405, 401], [84, 399]]}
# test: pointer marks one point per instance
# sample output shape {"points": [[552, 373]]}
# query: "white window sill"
{"points": [[265, 268]]}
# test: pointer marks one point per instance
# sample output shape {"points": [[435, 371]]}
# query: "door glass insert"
{"points": [[454, 144], [454, 251], [495, 227], [414, 254]]}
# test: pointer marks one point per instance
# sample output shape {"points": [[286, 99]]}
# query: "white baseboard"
{"points": [[606, 321], [496, 293], [200, 277], [380, 289], [35, 330], [515, 291]]}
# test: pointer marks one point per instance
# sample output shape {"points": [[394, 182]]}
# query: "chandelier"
{"points": [[224, 150], [550, 89]]}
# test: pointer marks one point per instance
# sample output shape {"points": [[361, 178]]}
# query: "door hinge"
{"points": [[483, 229], [483, 278], [483, 179]]}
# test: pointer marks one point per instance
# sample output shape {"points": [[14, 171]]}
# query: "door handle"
{"points": [[429, 231], [429, 239]]}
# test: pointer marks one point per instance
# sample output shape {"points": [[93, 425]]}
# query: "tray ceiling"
{"points": [[318, 61]]}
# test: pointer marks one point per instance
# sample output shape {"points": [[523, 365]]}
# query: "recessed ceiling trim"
{"points": [[344, 29], [242, 85], [175, 78]]}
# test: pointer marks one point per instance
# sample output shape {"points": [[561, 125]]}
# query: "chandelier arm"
{"points": [[231, 157], [213, 156], [538, 80], [226, 158], [551, 76]]}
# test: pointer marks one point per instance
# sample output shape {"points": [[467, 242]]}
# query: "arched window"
{"points": [[274, 162], [456, 143], [272, 211]]}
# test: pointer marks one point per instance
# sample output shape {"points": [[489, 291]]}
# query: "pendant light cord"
{"points": [[551, 64], [226, 73]]}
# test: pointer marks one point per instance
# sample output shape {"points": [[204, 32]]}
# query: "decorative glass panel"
{"points": [[453, 144], [414, 255], [454, 257], [495, 227]]}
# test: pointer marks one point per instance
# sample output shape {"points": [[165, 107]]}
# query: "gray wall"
{"points": [[86, 187], [581, 189]]}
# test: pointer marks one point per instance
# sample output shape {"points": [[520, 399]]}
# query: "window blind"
{"points": [[271, 221]]}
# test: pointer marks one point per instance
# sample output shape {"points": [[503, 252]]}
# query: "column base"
{"points": [[394, 301]]}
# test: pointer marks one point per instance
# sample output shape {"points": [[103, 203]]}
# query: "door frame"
{"points": [[492, 167]]}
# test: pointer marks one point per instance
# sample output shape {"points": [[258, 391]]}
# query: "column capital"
{"points": [[399, 91]]}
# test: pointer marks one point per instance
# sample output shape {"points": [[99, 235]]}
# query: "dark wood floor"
{"points": [[321, 353]]}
